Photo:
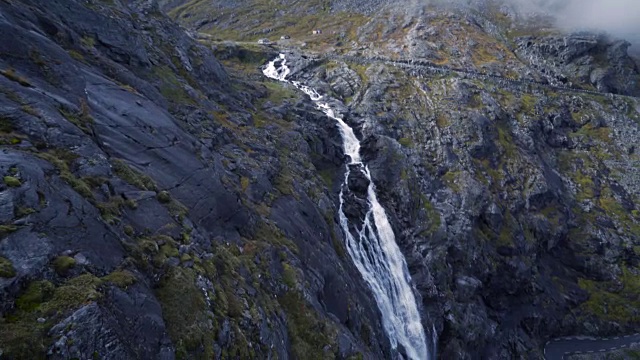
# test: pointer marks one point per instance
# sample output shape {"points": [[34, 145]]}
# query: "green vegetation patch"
{"points": [[62, 265], [170, 86], [164, 197], [184, 308], [11, 181], [111, 210], [24, 337], [120, 278], [21, 335], [7, 229], [610, 302], [406, 142], [24, 211], [62, 160], [277, 92], [82, 118], [308, 334], [132, 176], [6, 268]]}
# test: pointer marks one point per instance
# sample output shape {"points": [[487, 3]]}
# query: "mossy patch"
{"points": [[307, 333], [11, 181], [406, 142], [170, 86], [164, 197], [278, 92], [120, 278], [132, 176], [62, 265], [24, 211], [62, 161], [6, 268], [610, 302], [185, 311], [21, 335], [7, 229]]}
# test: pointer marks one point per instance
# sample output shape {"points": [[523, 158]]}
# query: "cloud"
{"points": [[620, 18]]}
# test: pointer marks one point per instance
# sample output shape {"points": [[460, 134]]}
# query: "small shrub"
{"points": [[88, 41], [244, 183], [112, 209], [78, 185], [164, 197], [129, 230], [36, 293], [177, 209]]}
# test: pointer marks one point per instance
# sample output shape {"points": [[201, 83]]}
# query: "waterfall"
{"points": [[372, 245]]}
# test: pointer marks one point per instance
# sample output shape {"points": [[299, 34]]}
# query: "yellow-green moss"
{"points": [[111, 210], [62, 264], [11, 181], [289, 275], [450, 179], [24, 211], [528, 103], [120, 278]]}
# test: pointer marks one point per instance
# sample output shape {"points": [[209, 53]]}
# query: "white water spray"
{"points": [[374, 250]]}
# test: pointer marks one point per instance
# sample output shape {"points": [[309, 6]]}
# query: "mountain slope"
{"points": [[504, 156], [156, 205]]}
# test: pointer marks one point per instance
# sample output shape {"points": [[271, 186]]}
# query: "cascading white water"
{"points": [[374, 250]]}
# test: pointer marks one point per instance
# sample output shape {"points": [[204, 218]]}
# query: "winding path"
{"points": [[557, 349], [422, 67]]}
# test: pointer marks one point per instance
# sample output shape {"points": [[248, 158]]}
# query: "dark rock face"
{"points": [[156, 205], [585, 59]]}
